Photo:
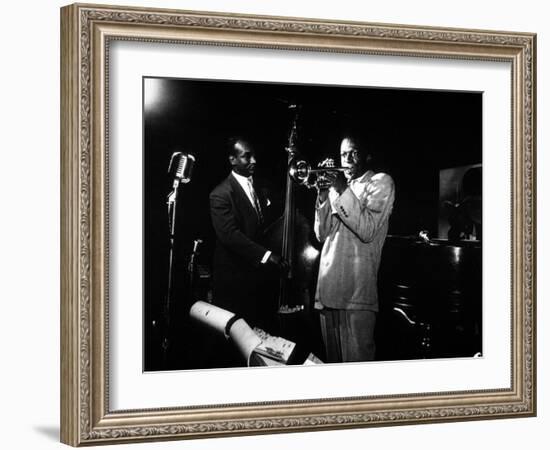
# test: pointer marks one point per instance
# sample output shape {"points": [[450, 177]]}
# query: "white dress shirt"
{"points": [[246, 184]]}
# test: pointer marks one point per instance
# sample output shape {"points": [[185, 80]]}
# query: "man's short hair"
{"points": [[363, 144], [231, 144]]}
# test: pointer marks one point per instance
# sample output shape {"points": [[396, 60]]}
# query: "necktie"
{"points": [[256, 202]]}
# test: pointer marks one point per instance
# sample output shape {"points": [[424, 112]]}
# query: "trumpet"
{"points": [[302, 173]]}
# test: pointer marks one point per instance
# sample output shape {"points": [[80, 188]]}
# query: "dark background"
{"points": [[414, 134]]}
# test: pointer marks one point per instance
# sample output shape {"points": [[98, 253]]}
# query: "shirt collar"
{"points": [[363, 178], [240, 178]]}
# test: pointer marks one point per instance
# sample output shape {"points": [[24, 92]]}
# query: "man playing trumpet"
{"points": [[351, 220]]}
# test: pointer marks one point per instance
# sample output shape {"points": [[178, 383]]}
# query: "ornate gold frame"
{"points": [[86, 31]]}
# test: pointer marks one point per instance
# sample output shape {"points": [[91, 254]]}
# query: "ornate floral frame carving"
{"points": [[86, 31]]}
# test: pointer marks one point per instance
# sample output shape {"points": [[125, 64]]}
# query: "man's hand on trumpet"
{"points": [[337, 180]]}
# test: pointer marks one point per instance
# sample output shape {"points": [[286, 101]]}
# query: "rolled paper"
{"points": [[211, 315], [244, 338], [218, 318]]}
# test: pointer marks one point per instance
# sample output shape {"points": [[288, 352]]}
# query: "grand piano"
{"points": [[430, 299]]}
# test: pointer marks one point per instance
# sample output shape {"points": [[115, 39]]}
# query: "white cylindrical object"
{"points": [[217, 318], [244, 338], [211, 315]]}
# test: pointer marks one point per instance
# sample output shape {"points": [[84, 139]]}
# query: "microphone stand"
{"points": [[171, 201]]}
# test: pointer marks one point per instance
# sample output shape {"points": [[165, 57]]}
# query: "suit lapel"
{"points": [[242, 199], [261, 197]]}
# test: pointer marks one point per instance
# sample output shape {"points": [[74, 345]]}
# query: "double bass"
{"points": [[293, 235]]}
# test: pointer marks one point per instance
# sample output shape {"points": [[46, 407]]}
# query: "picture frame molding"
{"points": [[86, 32]]}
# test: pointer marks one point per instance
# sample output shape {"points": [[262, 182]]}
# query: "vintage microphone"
{"points": [[181, 167], [183, 164]]}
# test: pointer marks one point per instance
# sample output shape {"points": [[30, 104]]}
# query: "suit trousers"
{"points": [[348, 335]]}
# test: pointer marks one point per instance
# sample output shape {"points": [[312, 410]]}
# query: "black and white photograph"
{"points": [[282, 219], [300, 224]]}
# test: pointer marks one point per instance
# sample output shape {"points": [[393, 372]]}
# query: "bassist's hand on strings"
{"points": [[277, 262]]}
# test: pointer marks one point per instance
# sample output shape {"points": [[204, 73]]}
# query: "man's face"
{"points": [[244, 160], [351, 159]]}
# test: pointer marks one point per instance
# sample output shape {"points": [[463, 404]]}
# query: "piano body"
{"points": [[430, 299]]}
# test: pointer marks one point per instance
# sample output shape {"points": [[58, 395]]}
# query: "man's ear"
{"points": [[231, 160]]}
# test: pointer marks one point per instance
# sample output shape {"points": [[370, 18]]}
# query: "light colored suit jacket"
{"points": [[353, 227]]}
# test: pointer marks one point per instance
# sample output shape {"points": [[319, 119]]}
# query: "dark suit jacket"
{"points": [[239, 279]]}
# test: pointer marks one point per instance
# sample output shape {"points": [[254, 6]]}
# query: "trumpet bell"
{"points": [[299, 171]]}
